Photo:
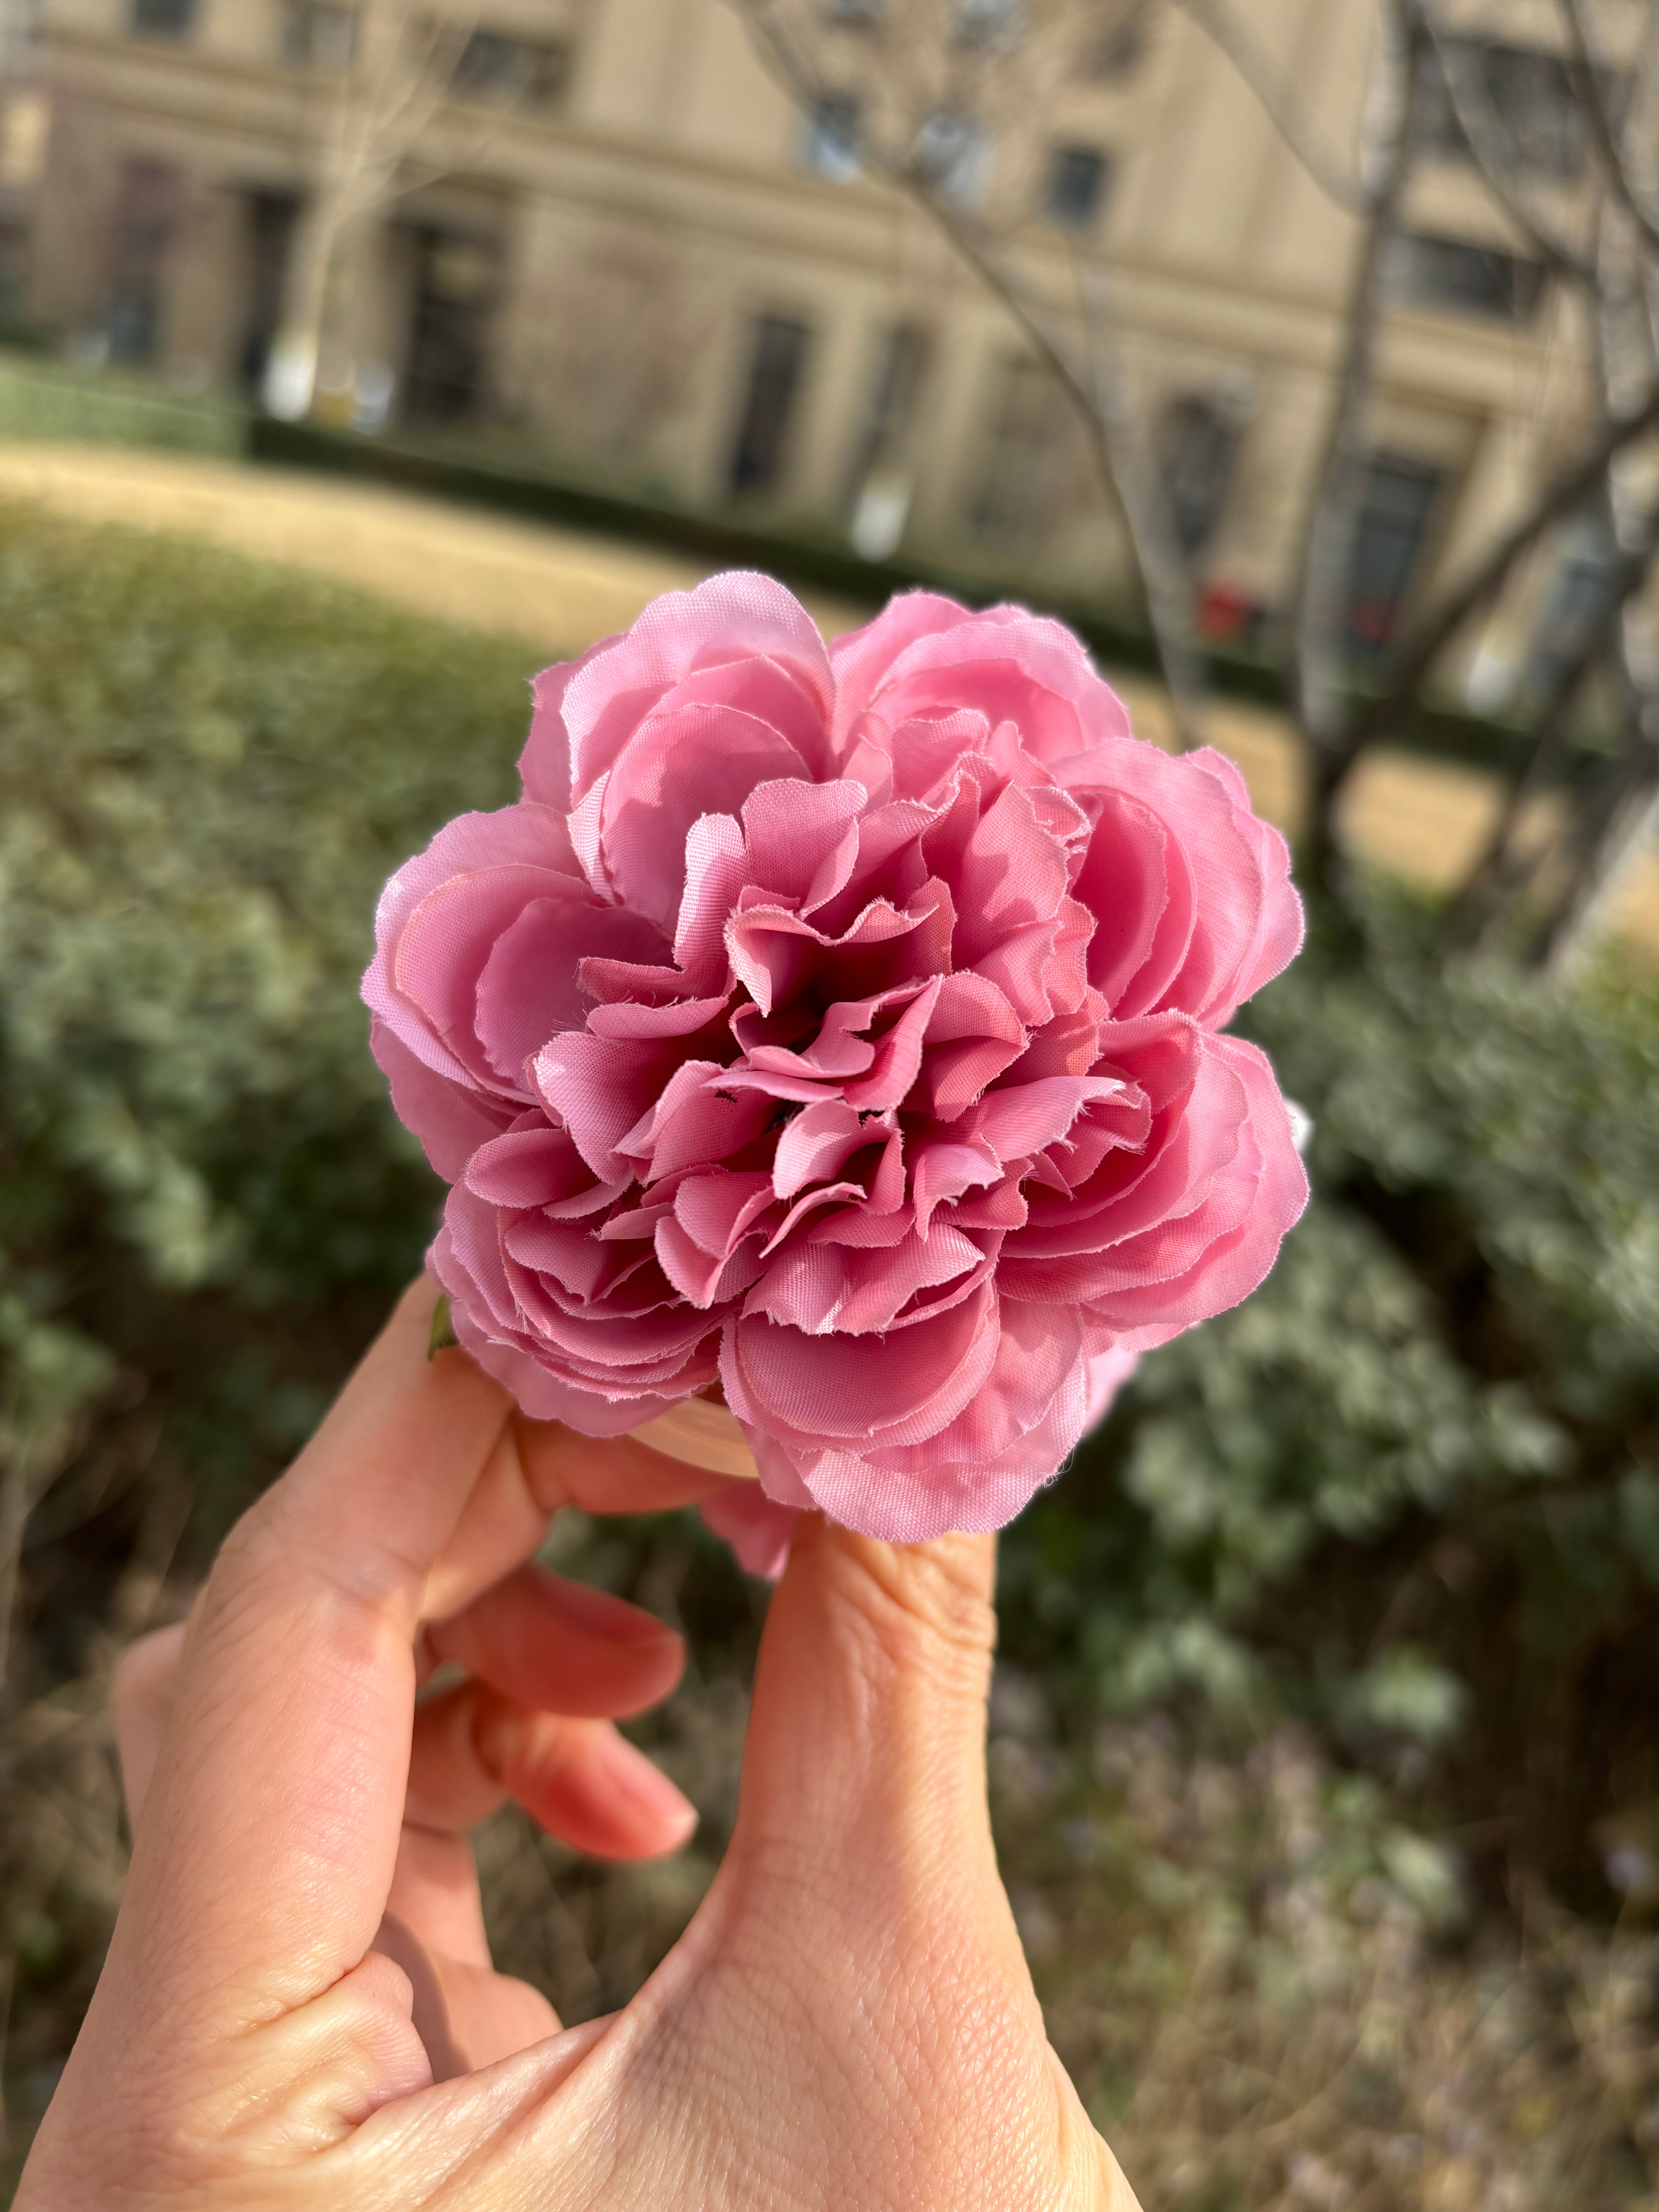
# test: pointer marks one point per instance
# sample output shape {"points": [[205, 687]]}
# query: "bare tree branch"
{"points": [[1233, 35], [1498, 876], [1570, 488], [1605, 827], [1590, 85], [1074, 346], [1111, 439], [1322, 578], [378, 104], [1495, 153], [1166, 595]]}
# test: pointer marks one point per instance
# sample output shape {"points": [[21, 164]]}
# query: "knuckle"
{"points": [[275, 1551], [250, 1553], [926, 1606], [142, 1667]]}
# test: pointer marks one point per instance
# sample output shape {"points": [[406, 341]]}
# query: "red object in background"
{"points": [[1225, 614], [1371, 620]]}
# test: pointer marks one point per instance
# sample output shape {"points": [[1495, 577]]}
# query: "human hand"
{"points": [[298, 2006]]}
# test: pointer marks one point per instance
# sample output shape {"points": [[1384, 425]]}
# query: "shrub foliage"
{"points": [[1403, 1504]]}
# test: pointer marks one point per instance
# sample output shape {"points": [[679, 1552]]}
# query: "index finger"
{"points": [[262, 1866], [272, 1819], [533, 1471]]}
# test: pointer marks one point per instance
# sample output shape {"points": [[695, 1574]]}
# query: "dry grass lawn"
{"points": [[557, 590]]}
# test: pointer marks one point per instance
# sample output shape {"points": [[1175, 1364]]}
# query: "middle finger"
{"points": [[536, 1469], [579, 1779]]}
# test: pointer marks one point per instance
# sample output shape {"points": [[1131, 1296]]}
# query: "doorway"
{"points": [[777, 359], [269, 220], [456, 283], [1391, 533]]}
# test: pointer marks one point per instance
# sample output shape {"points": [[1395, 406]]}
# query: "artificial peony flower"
{"points": [[838, 1030]]}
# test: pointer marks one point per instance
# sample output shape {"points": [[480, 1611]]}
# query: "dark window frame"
{"points": [[500, 69], [779, 355], [1530, 90], [831, 136], [1068, 202], [148, 215], [449, 350], [1196, 443], [1401, 512], [957, 156], [1018, 495], [320, 35], [1583, 587], [174, 21], [903, 361], [1466, 276]]}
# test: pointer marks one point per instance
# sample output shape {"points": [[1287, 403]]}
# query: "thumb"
{"points": [[865, 1754]]}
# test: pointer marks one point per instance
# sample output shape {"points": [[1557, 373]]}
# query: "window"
{"points": [[989, 23], [901, 361], [1529, 92], [829, 146], [1074, 191], [269, 224], [318, 35], [1029, 476], [163, 19], [145, 226], [1119, 51], [955, 155], [1581, 596], [881, 480], [1390, 535], [777, 359], [1196, 445], [456, 283], [1468, 279], [515, 72]]}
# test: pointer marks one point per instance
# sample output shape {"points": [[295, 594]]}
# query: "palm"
{"points": [[847, 2019], [951, 2097]]}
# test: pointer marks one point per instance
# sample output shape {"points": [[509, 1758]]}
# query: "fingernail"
{"points": [[601, 1614], [625, 1774]]}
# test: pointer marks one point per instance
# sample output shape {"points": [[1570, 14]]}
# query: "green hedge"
{"points": [[1407, 1495], [1410, 1490], [521, 482], [42, 399]]}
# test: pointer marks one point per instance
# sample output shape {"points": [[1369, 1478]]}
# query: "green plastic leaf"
{"points": [[443, 1337]]}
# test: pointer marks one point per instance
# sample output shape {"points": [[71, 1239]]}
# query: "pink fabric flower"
{"points": [[841, 1027]]}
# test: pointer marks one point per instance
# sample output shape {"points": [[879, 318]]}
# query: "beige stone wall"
{"points": [[641, 226]]}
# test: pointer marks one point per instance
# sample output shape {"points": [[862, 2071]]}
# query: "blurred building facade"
{"points": [[616, 237]]}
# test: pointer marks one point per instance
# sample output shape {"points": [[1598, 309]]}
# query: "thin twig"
{"points": [[1494, 150], [1165, 600], [1095, 400], [1590, 85], [1275, 93], [1568, 488], [1323, 577], [1605, 828], [1498, 878]]}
